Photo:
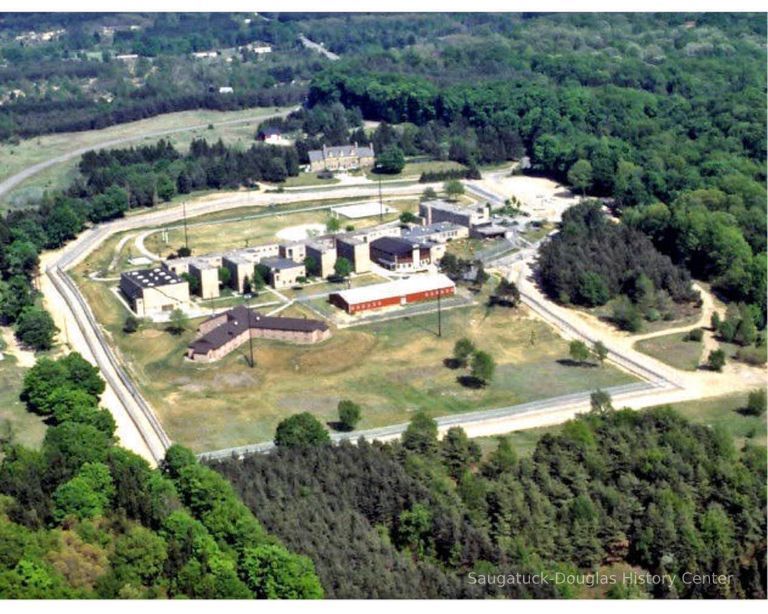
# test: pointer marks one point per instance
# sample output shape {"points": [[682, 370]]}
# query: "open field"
{"points": [[15, 158], [392, 368], [27, 428], [415, 168], [673, 350], [208, 237]]}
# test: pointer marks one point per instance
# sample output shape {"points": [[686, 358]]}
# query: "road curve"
{"points": [[138, 426], [11, 182]]}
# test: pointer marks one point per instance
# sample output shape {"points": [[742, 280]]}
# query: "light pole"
{"points": [[381, 202], [186, 235], [250, 339], [439, 314]]}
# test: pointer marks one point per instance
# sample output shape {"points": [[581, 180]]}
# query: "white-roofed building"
{"points": [[393, 293]]}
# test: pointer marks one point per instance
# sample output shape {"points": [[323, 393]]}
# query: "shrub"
{"points": [[694, 335]]}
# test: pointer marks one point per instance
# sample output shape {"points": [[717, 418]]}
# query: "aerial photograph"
{"points": [[371, 305]]}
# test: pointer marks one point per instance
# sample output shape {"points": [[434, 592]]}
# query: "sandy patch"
{"points": [[300, 232], [24, 358], [541, 197]]}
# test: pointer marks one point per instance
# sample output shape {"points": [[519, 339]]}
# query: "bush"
{"points": [[301, 430], [756, 403], [131, 324], [716, 360], [35, 328], [349, 414], [455, 173], [696, 334]]}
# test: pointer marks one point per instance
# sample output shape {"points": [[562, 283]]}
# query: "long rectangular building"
{"points": [[393, 293]]}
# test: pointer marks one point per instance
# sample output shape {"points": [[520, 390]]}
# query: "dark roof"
{"points": [[238, 321], [395, 245], [280, 263], [270, 131], [147, 278]]}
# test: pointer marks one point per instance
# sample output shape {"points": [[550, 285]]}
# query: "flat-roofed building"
{"points": [[357, 251], [283, 273], [206, 275], [240, 268], [323, 255], [295, 250], [434, 211], [151, 291], [398, 254], [440, 232], [222, 333], [393, 293]]}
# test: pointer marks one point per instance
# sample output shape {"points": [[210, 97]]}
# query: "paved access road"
{"points": [[140, 430], [138, 426]]}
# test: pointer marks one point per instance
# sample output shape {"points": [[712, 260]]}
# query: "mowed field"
{"points": [[15, 158], [211, 235], [673, 350], [393, 369]]}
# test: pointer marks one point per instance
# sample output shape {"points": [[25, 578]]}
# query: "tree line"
{"points": [[415, 517]]}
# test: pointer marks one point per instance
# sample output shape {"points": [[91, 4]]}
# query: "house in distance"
{"points": [[341, 158]]}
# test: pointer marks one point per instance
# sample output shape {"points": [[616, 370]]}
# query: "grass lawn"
{"points": [[222, 235], [27, 428], [523, 442], [14, 158], [307, 179], [465, 248], [534, 233], [412, 169], [392, 368], [673, 350], [724, 412]]}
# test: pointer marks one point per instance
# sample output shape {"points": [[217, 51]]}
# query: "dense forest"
{"points": [[83, 517], [592, 260], [416, 518], [672, 131]]}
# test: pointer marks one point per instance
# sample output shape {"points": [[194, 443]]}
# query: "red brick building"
{"points": [[401, 292]]}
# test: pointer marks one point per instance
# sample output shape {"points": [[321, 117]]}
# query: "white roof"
{"points": [[401, 287]]}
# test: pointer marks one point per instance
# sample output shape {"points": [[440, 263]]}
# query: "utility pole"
{"points": [[439, 315], [250, 339], [186, 235], [381, 203]]}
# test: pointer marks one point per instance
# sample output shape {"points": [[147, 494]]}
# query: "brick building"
{"points": [[222, 333], [393, 293], [398, 254]]}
